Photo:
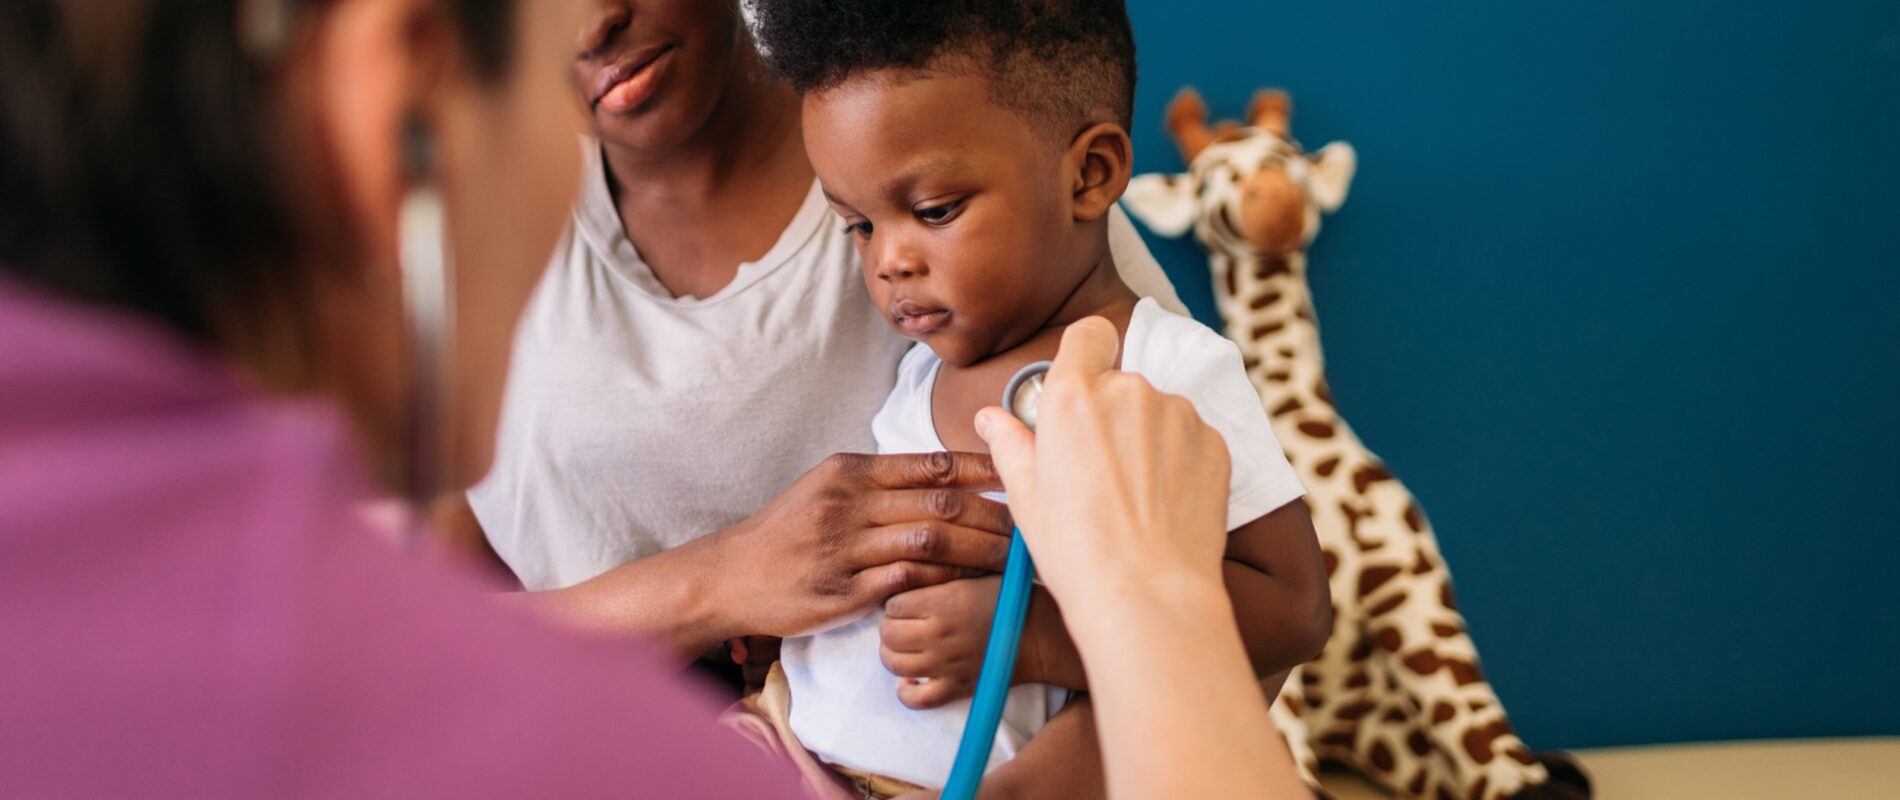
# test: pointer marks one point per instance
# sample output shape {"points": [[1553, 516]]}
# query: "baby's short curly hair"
{"points": [[1065, 64]]}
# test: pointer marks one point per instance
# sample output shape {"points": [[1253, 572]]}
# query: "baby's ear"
{"points": [[1102, 158]]}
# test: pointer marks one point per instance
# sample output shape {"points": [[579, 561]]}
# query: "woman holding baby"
{"points": [[209, 354]]}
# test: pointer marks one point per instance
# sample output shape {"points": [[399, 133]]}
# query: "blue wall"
{"points": [[1617, 293]]}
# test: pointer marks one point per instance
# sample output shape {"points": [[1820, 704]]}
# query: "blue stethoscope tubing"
{"points": [[1006, 636]]}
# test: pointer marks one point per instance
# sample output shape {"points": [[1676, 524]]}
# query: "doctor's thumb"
{"points": [[1012, 449]]}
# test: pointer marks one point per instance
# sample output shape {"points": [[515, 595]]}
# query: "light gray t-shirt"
{"points": [[635, 421]]}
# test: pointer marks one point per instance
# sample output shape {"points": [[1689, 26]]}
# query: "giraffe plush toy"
{"points": [[1397, 694]]}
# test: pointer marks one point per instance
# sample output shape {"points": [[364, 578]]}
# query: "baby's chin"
{"points": [[958, 349]]}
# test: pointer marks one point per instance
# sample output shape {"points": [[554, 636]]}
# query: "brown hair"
{"points": [[142, 161]]}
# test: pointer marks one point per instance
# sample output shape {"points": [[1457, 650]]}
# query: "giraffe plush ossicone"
{"points": [[1397, 694]]}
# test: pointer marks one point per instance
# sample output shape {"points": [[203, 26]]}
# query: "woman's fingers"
{"points": [[967, 471], [938, 543], [898, 506], [872, 586]]}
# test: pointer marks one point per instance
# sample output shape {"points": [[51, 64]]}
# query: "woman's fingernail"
{"points": [[983, 424]]}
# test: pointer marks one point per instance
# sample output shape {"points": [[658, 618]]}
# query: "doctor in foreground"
{"points": [[209, 355]]}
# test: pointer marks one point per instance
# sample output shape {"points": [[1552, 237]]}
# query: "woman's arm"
{"points": [[842, 538], [1121, 494]]}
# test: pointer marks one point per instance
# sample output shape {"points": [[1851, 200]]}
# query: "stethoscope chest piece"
{"points": [[1024, 391]]}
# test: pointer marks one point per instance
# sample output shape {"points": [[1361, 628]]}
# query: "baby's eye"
{"points": [[860, 229], [940, 214]]}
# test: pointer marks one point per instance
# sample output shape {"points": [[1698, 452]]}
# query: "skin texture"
{"points": [[1122, 506], [706, 172], [984, 239]]}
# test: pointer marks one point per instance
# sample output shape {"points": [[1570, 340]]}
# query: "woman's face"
{"points": [[650, 72]]}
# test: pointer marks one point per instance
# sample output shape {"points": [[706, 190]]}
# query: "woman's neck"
{"points": [[721, 198]]}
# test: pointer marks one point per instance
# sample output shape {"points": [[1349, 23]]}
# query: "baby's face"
{"points": [[961, 210]]}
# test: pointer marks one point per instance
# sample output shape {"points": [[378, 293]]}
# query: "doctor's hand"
{"points": [[1120, 488], [856, 530]]}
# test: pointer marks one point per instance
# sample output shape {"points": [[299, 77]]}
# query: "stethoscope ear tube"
{"points": [[1006, 629]]}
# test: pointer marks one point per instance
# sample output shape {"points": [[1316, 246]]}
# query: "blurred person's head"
{"points": [[233, 170]]}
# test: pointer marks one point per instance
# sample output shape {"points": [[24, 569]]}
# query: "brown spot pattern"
{"points": [[1423, 564], [1442, 712], [1269, 265], [1264, 300], [1520, 755], [1323, 391], [1374, 577], [1478, 788], [1317, 429], [1266, 329], [1359, 680], [1291, 405], [1381, 757], [1464, 673], [1417, 786], [1414, 519], [1423, 662], [1353, 712], [1388, 606], [1417, 742], [1368, 475], [1447, 629], [1325, 468], [1279, 376], [1390, 639], [1332, 562], [1477, 741]]}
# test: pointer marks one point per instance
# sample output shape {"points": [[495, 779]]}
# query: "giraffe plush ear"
{"points": [[1164, 203], [1331, 175]]}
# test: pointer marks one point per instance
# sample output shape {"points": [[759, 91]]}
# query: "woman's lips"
{"points": [[918, 320], [627, 84]]}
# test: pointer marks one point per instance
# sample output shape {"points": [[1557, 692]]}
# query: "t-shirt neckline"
{"points": [[598, 222]]}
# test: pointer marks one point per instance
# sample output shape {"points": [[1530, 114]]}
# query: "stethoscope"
{"points": [[1020, 397]]}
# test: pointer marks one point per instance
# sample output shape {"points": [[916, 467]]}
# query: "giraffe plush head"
{"points": [[1250, 190]]}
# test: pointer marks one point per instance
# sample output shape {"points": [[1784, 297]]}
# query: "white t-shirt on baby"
{"points": [[844, 702]]}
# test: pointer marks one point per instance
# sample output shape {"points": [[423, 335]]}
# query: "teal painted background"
{"points": [[1617, 293]]}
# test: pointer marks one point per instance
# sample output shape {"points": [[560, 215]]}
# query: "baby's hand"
{"points": [[933, 639]]}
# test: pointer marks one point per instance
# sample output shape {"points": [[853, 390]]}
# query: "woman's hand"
{"points": [[855, 531], [841, 539]]}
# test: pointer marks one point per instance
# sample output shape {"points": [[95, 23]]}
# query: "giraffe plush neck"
{"points": [[1397, 693]]}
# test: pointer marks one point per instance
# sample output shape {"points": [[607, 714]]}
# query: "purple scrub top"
{"points": [[190, 608]]}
